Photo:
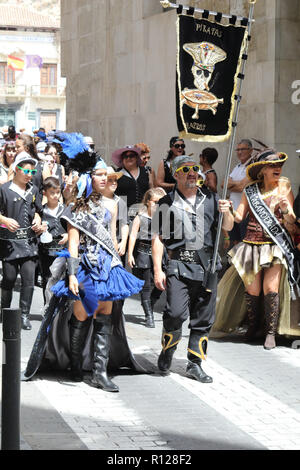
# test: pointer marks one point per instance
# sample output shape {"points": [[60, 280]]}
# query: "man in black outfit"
{"points": [[20, 220], [185, 224]]}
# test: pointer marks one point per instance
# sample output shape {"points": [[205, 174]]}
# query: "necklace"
{"points": [[268, 193]]}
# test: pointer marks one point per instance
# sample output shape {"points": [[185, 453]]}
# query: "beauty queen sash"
{"points": [[277, 233]]}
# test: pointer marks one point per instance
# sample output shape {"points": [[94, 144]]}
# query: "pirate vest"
{"points": [[277, 234], [255, 232]]}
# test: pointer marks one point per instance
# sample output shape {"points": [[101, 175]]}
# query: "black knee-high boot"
{"points": [[25, 304], [102, 340], [196, 353], [78, 333], [148, 310], [6, 296], [169, 345]]}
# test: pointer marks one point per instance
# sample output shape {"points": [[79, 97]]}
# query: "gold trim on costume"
{"points": [[202, 355], [169, 344], [258, 243], [266, 162]]}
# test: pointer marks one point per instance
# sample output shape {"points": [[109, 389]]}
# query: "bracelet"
{"points": [[226, 238]]}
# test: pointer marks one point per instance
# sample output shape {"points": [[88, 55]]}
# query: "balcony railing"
{"points": [[35, 91], [13, 90], [47, 90]]}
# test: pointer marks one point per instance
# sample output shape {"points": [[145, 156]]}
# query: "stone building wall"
{"points": [[45, 7], [119, 57]]}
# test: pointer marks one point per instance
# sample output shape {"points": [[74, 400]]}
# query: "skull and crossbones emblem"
{"points": [[206, 56]]}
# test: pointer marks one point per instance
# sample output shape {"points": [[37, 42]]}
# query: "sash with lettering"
{"points": [[276, 232], [209, 56]]}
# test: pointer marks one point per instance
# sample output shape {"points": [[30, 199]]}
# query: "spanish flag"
{"points": [[15, 63]]}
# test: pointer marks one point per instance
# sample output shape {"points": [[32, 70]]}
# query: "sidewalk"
{"points": [[252, 404]]}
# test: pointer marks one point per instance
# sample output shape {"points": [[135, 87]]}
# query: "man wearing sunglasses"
{"points": [[20, 221], [185, 223]]}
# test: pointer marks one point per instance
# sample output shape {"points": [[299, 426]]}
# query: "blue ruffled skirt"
{"points": [[96, 284]]}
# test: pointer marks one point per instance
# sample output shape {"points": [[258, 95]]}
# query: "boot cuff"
{"points": [[198, 346], [171, 338]]}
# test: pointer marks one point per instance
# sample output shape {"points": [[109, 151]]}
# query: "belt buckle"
{"points": [[187, 256], [21, 233]]}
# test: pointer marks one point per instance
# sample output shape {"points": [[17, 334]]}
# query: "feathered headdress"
{"points": [[76, 155]]}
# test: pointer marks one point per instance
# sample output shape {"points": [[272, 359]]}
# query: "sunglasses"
{"points": [[27, 171], [187, 169], [179, 146], [129, 155]]}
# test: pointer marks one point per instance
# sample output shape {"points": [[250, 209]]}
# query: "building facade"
{"points": [[32, 91], [119, 57]]}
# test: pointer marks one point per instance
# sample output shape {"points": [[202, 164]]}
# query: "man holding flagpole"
{"points": [[185, 224]]}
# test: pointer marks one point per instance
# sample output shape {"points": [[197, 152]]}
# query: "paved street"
{"points": [[252, 404]]}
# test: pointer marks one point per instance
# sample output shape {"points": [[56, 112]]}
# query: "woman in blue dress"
{"points": [[90, 276]]}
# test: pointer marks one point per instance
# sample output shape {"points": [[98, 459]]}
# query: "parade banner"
{"points": [[209, 57]]}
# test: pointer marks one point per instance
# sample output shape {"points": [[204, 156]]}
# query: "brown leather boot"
{"points": [[252, 315], [271, 303]]}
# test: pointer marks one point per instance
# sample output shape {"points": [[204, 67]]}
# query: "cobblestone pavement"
{"points": [[252, 404]]}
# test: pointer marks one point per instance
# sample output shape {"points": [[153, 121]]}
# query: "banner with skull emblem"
{"points": [[208, 63]]}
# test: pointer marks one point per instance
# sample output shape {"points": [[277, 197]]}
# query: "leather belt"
{"points": [[53, 244], [186, 256], [144, 247], [19, 234]]}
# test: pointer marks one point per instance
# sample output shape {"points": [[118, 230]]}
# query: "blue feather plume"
{"points": [[72, 144]]}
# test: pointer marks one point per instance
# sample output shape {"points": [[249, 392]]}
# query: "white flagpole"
{"points": [[233, 135]]}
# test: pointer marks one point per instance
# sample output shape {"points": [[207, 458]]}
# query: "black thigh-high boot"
{"points": [[78, 333], [6, 296], [271, 304], [196, 353], [25, 304], [252, 315], [148, 310], [169, 343], [102, 340]]}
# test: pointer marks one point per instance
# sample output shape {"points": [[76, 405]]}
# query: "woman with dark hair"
{"points": [[7, 159], [207, 158], [140, 252], [135, 180], [164, 176], [85, 281]]}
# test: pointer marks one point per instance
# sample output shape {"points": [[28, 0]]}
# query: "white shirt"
{"points": [[14, 187], [237, 174]]}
